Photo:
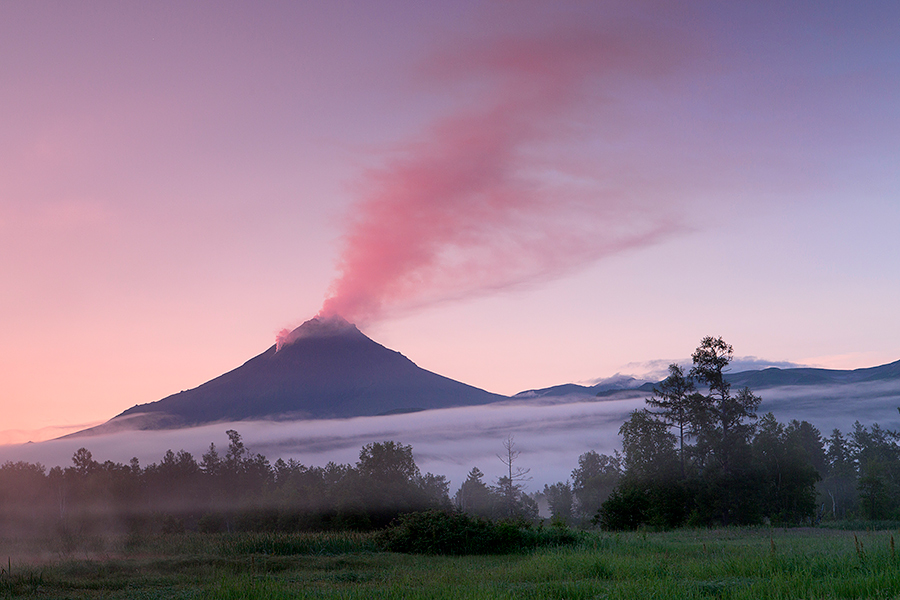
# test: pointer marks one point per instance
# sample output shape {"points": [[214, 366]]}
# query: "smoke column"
{"points": [[477, 204]]}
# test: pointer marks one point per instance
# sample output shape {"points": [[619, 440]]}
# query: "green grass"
{"points": [[691, 564]]}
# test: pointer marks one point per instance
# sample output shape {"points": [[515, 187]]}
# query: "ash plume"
{"points": [[480, 202]]}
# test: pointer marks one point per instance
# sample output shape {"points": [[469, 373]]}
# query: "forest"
{"points": [[696, 455], [703, 458]]}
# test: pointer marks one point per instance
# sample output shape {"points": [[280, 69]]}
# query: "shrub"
{"points": [[658, 505], [625, 509], [454, 533], [211, 523], [172, 524]]}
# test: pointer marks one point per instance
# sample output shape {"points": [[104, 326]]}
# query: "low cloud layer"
{"points": [[451, 441], [447, 442]]}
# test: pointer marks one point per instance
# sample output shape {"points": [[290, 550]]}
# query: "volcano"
{"points": [[326, 368]]}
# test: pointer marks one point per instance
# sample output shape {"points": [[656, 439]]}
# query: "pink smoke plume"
{"points": [[470, 207]]}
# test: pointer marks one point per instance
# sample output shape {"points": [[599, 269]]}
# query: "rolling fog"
{"points": [[550, 434]]}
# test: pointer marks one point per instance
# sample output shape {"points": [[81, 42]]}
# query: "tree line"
{"points": [[237, 490], [698, 455], [695, 455]]}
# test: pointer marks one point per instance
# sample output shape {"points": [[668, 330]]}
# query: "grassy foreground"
{"points": [[729, 563]]}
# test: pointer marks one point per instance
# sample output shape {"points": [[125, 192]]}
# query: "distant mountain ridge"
{"points": [[775, 377], [605, 387], [326, 368], [770, 377]]}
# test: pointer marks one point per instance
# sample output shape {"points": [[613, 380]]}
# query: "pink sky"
{"points": [[512, 195]]}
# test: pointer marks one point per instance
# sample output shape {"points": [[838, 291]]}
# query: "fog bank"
{"points": [[450, 442]]}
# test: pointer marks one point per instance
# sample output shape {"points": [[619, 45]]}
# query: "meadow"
{"points": [[691, 563]]}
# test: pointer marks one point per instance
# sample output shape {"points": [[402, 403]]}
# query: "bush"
{"points": [[659, 506], [625, 509], [172, 524], [453, 533], [211, 523]]}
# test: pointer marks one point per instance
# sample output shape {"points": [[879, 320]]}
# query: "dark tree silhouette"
{"points": [[673, 399]]}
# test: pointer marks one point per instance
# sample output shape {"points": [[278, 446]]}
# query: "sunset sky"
{"points": [[512, 194]]}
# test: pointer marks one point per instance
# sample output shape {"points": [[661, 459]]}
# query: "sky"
{"points": [[514, 195]]}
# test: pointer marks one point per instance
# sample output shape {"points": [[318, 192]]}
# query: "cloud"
{"points": [[836, 406], [479, 202], [447, 442], [658, 369], [551, 436]]}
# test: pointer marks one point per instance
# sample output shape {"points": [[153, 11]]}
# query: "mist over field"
{"points": [[446, 442], [550, 433]]}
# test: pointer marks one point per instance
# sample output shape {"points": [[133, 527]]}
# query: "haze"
{"points": [[513, 198], [551, 434]]}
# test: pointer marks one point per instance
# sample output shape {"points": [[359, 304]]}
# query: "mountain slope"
{"points": [[325, 369]]}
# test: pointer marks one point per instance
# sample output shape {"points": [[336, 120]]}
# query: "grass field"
{"points": [[727, 563]]}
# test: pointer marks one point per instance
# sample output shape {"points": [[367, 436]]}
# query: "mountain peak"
{"points": [[324, 369], [317, 327]]}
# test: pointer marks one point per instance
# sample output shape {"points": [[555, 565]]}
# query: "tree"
{"points": [[173, 485], [729, 482], [648, 448], [650, 472], [210, 462], [284, 471], [25, 496], [789, 478], [710, 360], [561, 502], [593, 480], [840, 476], [389, 483], [236, 454], [808, 440], [873, 496], [84, 462], [877, 457], [435, 490], [719, 418], [511, 487], [674, 398], [389, 463], [474, 496], [626, 508]]}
